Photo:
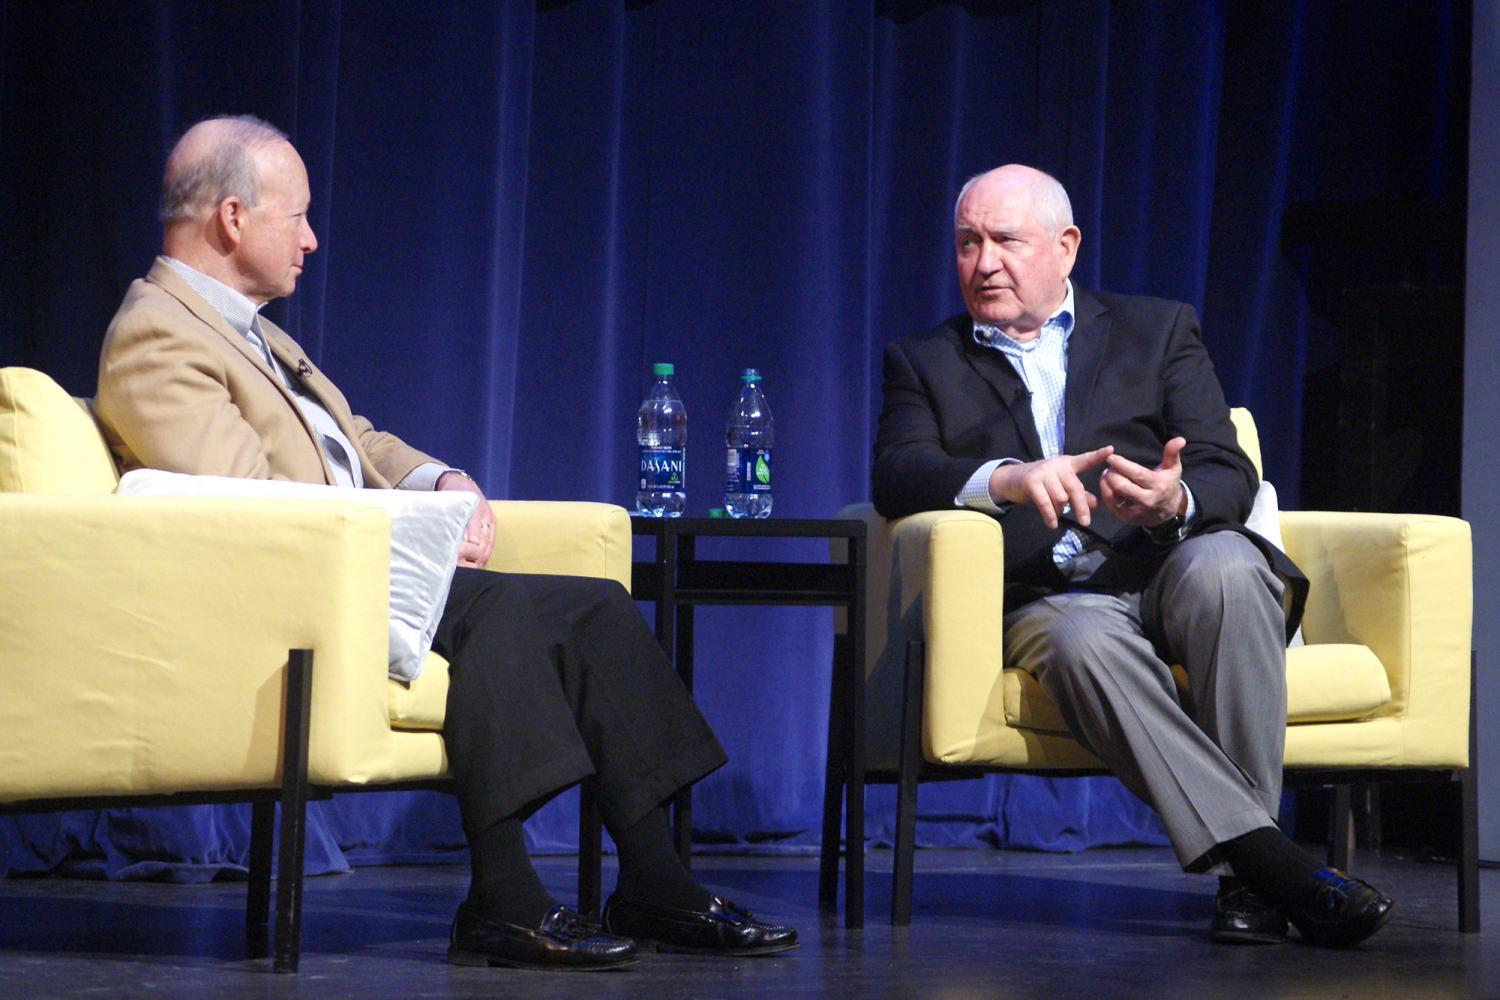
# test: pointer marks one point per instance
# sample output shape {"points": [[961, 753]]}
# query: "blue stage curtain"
{"points": [[521, 207]]}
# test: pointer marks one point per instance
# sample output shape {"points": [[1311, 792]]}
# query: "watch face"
{"points": [[1168, 531]]}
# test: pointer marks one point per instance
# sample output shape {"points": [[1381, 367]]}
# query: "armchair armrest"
{"points": [[936, 575], [565, 538], [143, 640], [1401, 584]]}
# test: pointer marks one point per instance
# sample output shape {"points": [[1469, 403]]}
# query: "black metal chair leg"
{"points": [[590, 851], [287, 945], [833, 787], [1338, 828], [906, 785], [854, 787], [258, 894], [1468, 808]]}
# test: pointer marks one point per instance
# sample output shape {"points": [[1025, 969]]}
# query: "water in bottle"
{"points": [[661, 433], [750, 434]]}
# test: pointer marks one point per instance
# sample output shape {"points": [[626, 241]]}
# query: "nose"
{"points": [[309, 241], [989, 257]]}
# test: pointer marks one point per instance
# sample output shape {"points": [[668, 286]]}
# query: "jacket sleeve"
{"points": [[1222, 478], [912, 470]]}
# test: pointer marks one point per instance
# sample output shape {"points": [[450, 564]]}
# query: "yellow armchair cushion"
{"points": [[49, 442], [1334, 682], [421, 704], [1337, 682]]}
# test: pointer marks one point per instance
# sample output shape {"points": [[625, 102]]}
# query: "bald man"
{"points": [[552, 679], [1092, 427]]}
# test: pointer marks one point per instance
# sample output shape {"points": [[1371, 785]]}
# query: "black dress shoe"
{"points": [[563, 940], [722, 929], [1242, 917], [1342, 912]]}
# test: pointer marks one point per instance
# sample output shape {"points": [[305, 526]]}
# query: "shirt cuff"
{"points": [[1192, 507], [423, 477], [976, 492]]}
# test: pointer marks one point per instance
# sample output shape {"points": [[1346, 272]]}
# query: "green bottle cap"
{"points": [[661, 370], [716, 512]]}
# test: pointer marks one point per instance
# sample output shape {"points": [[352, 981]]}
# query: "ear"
{"points": [[230, 219], [1067, 245]]}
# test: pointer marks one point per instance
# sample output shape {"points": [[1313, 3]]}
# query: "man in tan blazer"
{"points": [[552, 679]]}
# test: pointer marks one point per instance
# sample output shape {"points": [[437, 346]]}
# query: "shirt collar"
{"points": [[238, 311], [1061, 321]]}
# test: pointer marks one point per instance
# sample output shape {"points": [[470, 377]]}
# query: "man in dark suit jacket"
{"points": [[1092, 426], [552, 678]]}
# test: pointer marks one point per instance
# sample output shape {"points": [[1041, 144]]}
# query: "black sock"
{"points": [[1274, 868], [504, 886], [650, 870]]}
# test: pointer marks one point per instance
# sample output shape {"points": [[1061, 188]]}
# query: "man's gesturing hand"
{"points": [[479, 535], [1145, 497], [1051, 484]]}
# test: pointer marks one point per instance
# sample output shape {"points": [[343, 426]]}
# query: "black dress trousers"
{"points": [[555, 678]]}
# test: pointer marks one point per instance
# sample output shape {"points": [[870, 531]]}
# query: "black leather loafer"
{"points": [[563, 940], [722, 929], [1343, 912], [1242, 917]]}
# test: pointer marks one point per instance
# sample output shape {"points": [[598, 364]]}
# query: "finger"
{"points": [[1128, 470], [1089, 459], [1171, 455], [1114, 502], [1079, 498], [1126, 488], [1041, 498]]}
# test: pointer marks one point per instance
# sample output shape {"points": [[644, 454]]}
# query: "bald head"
{"points": [[212, 161], [1050, 206]]}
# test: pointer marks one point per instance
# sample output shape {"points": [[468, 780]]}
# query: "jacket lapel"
{"points": [[1088, 345], [995, 368]]}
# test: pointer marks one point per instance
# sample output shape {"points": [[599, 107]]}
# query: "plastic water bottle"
{"points": [[750, 434], [661, 433]]}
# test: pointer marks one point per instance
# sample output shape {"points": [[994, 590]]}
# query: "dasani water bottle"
{"points": [[749, 436], [661, 433]]}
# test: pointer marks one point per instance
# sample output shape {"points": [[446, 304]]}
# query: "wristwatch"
{"points": [[1173, 529]]}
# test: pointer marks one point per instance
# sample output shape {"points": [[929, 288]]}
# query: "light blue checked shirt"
{"points": [[1042, 363]]}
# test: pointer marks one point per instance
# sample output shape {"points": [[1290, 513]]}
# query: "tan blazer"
{"points": [[180, 390]]}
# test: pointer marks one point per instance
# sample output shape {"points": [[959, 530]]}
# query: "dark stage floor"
{"points": [[1108, 923]]}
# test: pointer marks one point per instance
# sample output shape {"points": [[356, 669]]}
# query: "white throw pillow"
{"points": [[1265, 521], [426, 528]]}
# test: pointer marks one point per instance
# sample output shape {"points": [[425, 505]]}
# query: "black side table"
{"points": [[677, 580]]}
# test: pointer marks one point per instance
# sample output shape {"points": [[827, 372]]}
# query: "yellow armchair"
{"points": [[1381, 686], [151, 647]]}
